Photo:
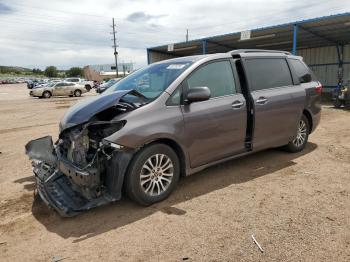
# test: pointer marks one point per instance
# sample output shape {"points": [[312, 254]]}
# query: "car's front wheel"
{"points": [[153, 174], [77, 93], [46, 94], [300, 140]]}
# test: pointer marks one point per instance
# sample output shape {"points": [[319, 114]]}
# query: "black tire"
{"points": [[46, 94], [77, 93], [88, 88], [295, 145], [337, 103], [133, 187]]}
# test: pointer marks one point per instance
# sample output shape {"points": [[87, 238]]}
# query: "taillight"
{"points": [[318, 88]]}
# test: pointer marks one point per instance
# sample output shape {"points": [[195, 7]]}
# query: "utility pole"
{"points": [[186, 35], [115, 48]]}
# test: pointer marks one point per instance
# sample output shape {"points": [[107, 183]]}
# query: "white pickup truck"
{"points": [[88, 84]]}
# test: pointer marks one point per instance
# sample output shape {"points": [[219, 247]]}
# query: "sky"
{"points": [[68, 33]]}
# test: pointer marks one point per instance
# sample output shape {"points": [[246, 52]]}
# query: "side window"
{"points": [[60, 84], [267, 73], [175, 98], [217, 76], [300, 69]]}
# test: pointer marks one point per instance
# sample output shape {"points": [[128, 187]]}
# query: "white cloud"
{"points": [[36, 33]]}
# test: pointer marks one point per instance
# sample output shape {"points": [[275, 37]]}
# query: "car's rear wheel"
{"points": [[46, 94], [300, 140], [153, 174], [77, 93]]}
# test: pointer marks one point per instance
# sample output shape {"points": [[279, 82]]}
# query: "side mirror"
{"points": [[197, 94], [305, 78]]}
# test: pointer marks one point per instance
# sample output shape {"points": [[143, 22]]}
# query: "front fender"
{"points": [[147, 125]]}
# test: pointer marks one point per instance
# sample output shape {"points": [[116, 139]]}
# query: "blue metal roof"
{"points": [[314, 30]]}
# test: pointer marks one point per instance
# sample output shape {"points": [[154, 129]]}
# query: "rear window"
{"points": [[267, 73], [301, 70]]}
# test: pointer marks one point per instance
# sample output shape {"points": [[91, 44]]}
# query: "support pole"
{"points": [[115, 48], [148, 57], [295, 33], [204, 47], [340, 50]]}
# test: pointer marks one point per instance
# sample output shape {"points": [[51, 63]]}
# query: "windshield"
{"points": [[152, 80]]}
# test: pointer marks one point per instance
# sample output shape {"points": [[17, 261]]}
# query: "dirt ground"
{"points": [[297, 206]]}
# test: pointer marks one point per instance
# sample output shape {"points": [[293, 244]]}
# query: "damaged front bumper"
{"points": [[63, 186]]}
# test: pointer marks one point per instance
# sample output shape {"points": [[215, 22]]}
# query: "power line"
{"points": [[86, 43], [41, 20], [59, 11]]}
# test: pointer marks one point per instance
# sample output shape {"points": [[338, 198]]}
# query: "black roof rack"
{"points": [[239, 51]]}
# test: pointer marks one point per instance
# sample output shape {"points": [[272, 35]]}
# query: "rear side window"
{"points": [[217, 76], [267, 73], [300, 69]]}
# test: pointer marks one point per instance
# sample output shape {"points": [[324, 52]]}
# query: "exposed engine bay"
{"points": [[82, 170]]}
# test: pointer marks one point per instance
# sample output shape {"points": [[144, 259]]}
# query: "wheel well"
{"points": [[309, 118], [178, 150], [77, 90], [47, 91]]}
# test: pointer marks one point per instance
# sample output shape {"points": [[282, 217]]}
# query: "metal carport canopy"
{"points": [[333, 30]]}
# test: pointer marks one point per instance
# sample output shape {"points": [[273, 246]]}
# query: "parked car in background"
{"points": [[171, 119], [58, 89], [81, 81], [103, 87], [33, 83]]}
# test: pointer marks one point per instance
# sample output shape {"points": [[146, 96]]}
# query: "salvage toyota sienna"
{"points": [[174, 118]]}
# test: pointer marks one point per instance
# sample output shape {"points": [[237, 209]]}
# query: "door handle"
{"points": [[237, 104], [261, 100]]}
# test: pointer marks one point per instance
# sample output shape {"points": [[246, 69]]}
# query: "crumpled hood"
{"points": [[86, 109]]}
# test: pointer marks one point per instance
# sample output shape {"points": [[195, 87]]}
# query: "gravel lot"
{"points": [[296, 205]]}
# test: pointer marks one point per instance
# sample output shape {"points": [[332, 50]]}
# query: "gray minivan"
{"points": [[171, 119]]}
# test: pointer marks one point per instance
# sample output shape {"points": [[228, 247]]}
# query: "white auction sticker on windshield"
{"points": [[176, 66]]}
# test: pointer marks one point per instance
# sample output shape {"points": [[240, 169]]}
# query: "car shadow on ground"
{"points": [[124, 212]]}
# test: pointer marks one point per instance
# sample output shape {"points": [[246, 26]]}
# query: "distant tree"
{"points": [[74, 72], [51, 71], [37, 71], [4, 70]]}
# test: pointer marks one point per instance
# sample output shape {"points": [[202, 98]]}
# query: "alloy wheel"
{"points": [[299, 140], [156, 174]]}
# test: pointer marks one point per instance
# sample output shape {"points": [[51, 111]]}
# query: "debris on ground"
{"points": [[309, 173], [256, 242], [57, 259]]}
